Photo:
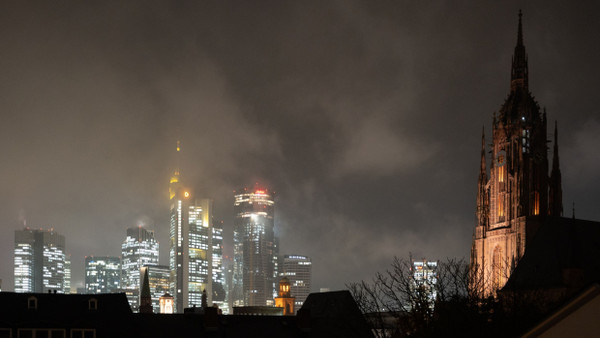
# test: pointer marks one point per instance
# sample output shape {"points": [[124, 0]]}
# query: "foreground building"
{"points": [[255, 248], [39, 261], [298, 270], [519, 194]]}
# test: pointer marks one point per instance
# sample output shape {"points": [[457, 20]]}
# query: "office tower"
{"points": [[512, 204], [102, 274], [298, 270], [139, 249], [67, 273], [254, 248], [39, 261], [425, 279], [219, 295], [195, 255], [159, 276]]}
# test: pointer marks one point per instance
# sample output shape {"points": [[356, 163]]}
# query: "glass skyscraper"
{"points": [[158, 280], [195, 255], [255, 248], [298, 270], [102, 274], [39, 261], [139, 249]]}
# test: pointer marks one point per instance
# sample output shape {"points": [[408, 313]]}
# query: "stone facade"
{"points": [[513, 202]]}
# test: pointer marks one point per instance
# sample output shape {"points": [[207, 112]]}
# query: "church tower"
{"points": [[513, 202]]}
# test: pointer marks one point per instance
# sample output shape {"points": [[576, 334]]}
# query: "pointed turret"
{"points": [[481, 183], [520, 74], [555, 198], [146, 298]]}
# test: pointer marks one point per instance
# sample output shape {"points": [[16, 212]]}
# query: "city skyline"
{"points": [[364, 118]]}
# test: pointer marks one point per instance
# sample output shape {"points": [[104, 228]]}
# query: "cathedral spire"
{"points": [[555, 198], [519, 73]]}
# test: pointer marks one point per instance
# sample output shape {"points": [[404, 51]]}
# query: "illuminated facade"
{"points": [[425, 278], [139, 248], [102, 274], [285, 299], [67, 273], [255, 248], [196, 248], [39, 261], [158, 276], [513, 202], [298, 270]]}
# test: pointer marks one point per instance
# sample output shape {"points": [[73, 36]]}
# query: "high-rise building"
{"points": [[255, 251], [219, 293], [196, 243], [158, 276], [39, 261], [139, 248], [102, 274], [514, 202], [298, 270], [425, 279], [67, 273]]}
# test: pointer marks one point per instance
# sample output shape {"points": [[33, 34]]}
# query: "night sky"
{"points": [[364, 117]]}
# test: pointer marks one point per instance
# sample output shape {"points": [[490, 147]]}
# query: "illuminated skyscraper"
{"points": [[102, 274], [195, 255], [425, 279], [298, 270], [67, 273], [255, 248], [158, 276], [139, 249], [39, 261]]}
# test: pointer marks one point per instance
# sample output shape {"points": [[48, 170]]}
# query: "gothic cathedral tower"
{"points": [[513, 203]]}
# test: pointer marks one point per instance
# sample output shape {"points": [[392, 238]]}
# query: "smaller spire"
{"points": [[146, 298], [555, 191], [483, 165]]}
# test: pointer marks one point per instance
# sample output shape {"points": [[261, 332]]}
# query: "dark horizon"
{"points": [[364, 118]]}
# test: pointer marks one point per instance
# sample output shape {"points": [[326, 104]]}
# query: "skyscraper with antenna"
{"points": [[192, 259]]}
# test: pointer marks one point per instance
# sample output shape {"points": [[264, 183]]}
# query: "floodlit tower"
{"points": [[516, 197], [255, 251]]}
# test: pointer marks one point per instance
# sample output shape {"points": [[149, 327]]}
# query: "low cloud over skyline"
{"points": [[365, 118]]}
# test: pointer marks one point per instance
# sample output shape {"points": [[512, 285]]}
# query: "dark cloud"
{"points": [[365, 118]]}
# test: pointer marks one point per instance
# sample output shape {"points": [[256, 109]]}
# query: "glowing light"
{"points": [[259, 192], [186, 194]]}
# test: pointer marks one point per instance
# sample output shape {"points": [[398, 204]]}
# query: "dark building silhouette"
{"points": [[332, 314]]}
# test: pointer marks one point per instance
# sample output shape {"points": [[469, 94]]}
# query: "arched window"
{"points": [[536, 203], [497, 271]]}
